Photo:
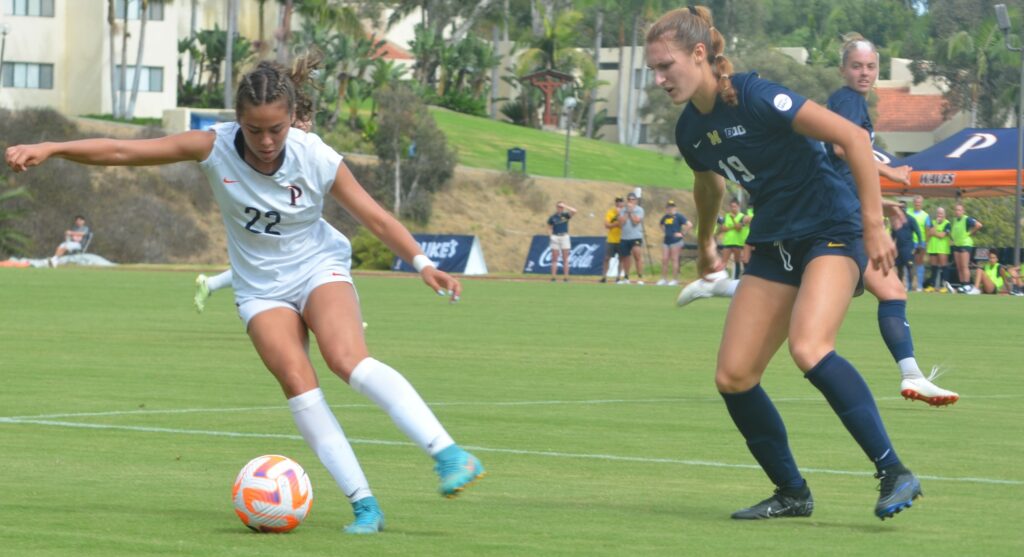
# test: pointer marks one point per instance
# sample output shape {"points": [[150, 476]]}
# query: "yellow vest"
{"points": [[992, 270], [936, 244], [733, 237], [961, 236], [922, 218]]}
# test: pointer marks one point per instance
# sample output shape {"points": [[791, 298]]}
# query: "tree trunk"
{"points": [[592, 107], [138, 60], [284, 33], [620, 119], [229, 53], [629, 95], [640, 94], [112, 23], [398, 179], [494, 71], [536, 20], [192, 33], [504, 22], [123, 85]]}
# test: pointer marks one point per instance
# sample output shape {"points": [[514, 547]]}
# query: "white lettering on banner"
{"points": [[440, 250], [976, 141], [938, 179], [581, 257]]}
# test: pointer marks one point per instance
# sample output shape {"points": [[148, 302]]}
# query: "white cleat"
{"points": [[703, 288], [661, 282], [923, 389], [202, 293]]}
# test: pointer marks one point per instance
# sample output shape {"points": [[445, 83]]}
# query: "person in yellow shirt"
{"points": [[614, 228]]}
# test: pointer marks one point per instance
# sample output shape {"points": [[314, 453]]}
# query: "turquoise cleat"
{"points": [[369, 518], [202, 293], [457, 469]]}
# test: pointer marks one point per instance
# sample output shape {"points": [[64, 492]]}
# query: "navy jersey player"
{"points": [[859, 67], [291, 268], [810, 238]]}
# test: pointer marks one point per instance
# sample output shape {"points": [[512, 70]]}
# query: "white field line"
{"points": [[511, 403], [551, 454]]}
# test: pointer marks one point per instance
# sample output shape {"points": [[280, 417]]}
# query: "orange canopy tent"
{"points": [[974, 162]]}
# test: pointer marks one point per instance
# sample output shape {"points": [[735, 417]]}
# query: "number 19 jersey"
{"points": [[796, 191], [276, 233]]}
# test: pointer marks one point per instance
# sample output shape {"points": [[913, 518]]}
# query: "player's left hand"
{"points": [[880, 249], [901, 174], [442, 283]]}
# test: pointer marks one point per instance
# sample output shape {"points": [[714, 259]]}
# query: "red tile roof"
{"points": [[900, 111], [391, 51]]}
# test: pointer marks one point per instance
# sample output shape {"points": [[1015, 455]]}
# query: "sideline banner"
{"points": [[451, 252], [585, 258]]}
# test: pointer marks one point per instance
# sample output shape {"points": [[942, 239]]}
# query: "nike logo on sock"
{"points": [[226, 181]]}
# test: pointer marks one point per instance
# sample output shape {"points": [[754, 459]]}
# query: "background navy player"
{"points": [[809, 248], [859, 67]]}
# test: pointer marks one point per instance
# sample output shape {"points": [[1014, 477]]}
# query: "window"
{"points": [[608, 66], [36, 8], [28, 76], [156, 9], [638, 81], [151, 79]]}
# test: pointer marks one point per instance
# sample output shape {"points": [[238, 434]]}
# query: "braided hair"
{"points": [[271, 82]]}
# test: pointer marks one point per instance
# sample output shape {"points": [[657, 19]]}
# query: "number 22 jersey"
{"points": [[276, 233], [795, 189]]}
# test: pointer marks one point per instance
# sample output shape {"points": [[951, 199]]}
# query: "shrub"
{"points": [[370, 253]]}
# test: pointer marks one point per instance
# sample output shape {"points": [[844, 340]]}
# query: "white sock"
{"points": [[909, 368], [388, 389], [216, 282], [323, 434]]}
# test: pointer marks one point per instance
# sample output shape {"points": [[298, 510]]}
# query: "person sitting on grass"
{"points": [[992, 277]]}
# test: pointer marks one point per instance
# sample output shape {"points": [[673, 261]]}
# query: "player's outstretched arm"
{"points": [[351, 195], [192, 145]]}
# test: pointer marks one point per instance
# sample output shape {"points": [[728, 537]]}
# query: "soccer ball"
{"points": [[272, 493]]}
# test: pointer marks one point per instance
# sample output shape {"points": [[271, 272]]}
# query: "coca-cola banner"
{"points": [[585, 258]]}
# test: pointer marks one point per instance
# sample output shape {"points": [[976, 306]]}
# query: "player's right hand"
{"points": [[20, 157]]}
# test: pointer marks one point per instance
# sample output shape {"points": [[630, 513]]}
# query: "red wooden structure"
{"points": [[548, 81]]}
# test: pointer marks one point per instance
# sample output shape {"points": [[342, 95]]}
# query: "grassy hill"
{"points": [[483, 143]]}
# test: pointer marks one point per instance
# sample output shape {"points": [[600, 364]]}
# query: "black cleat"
{"points": [[897, 490], [779, 505]]}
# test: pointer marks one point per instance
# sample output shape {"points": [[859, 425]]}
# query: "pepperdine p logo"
{"points": [[296, 193]]}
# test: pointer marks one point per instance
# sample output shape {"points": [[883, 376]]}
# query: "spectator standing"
{"points": [[611, 246], [905, 237], [923, 224], [938, 249], [734, 227], [631, 219], [561, 243], [675, 226], [963, 227]]}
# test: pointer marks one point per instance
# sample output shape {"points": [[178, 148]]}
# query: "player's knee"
{"points": [[342, 363], [807, 354], [733, 380]]}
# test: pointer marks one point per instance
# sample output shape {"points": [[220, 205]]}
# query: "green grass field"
{"points": [[484, 143], [124, 417]]}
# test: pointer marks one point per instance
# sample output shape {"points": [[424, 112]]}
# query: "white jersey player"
{"points": [[292, 268]]}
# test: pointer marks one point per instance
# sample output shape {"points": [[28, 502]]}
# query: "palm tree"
{"points": [[122, 85]]}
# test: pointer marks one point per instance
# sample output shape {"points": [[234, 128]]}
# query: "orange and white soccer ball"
{"points": [[272, 493]]}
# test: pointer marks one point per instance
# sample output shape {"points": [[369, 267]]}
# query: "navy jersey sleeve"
{"points": [[682, 219], [913, 224]]}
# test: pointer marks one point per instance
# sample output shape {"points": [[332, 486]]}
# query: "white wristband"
{"points": [[421, 262]]}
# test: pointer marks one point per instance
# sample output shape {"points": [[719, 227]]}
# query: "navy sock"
{"points": [[933, 271], [851, 400], [761, 425], [892, 322]]}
